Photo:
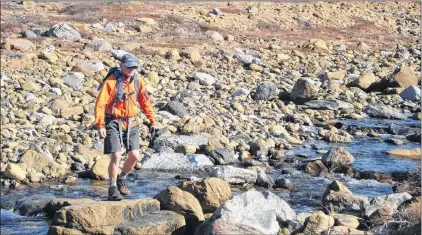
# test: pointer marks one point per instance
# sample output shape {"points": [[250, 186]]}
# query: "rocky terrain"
{"points": [[247, 94]]}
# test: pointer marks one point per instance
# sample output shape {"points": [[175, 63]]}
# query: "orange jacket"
{"points": [[126, 108]]}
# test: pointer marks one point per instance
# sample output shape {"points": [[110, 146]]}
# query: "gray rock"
{"points": [[246, 59], [235, 175], [214, 35], [403, 130], [74, 80], [177, 142], [414, 138], [262, 211], [33, 205], [29, 34], [337, 158], [216, 11], [412, 93], [64, 31], [99, 45], [382, 111], [56, 91], [395, 199], [118, 54], [240, 92], [222, 156], [264, 180], [176, 108], [305, 89], [328, 104], [175, 162], [204, 78], [284, 183], [266, 91], [110, 28], [252, 9]]}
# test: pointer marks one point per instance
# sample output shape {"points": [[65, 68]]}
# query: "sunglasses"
{"points": [[134, 67]]}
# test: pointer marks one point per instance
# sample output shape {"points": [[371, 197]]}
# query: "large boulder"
{"points": [[177, 142], [64, 31], [175, 162], [305, 89], [404, 77], [263, 211], [337, 197], [338, 159], [32, 161], [54, 205], [393, 200], [235, 175], [382, 111], [211, 192], [266, 91], [101, 217], [317, 223]]}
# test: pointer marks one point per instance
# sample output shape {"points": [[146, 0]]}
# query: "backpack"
{"points": [[118, 74]]}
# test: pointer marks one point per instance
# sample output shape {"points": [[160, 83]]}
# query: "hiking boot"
{"points": [[122, 186], [114, 194]]}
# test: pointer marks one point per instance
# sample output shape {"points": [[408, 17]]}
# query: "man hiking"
{"points": [[121, 97]]}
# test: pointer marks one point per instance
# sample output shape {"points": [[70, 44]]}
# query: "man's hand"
{"points": [[102, 133]]}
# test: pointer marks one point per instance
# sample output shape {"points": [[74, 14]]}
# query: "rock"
{"points": [[118, 54], [343, 230], [382, 111], [215, 36], [369, 175], [59, 230], [328, 104], [222, 156], [262, 211], [337, 75], [65, 32], [32, 161], [147, 21], [86, 219], [403, 130], [158, 222], [222, 227], [252, 9], [234, 175], [405, 77], [33, 205], [29, 34], [304, 90], [284, 183], [349, 221], [14, 172], [414, 154], [153, 77], [100, 45], [317, 223], [412, 93], [415, 229], [88, 67], [175, 162], [264, 180], [68, 112], [266, 91], [337, 158], [210, 192], [414, 138], [176, 108], [177, 142], [74, 80], [100, 169], [338, 197], [204, 78], [30, 86], [216, 11], [49, 56], [54, 205], [23, 45], [246, 59], [181, 202], [192, 54], [364, 82]]}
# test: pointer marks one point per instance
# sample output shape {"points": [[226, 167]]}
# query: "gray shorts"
{"points": [[112, 143]]}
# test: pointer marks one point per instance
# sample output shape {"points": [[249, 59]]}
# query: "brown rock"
{"points": [[318, 222], [210, 192], [181, 202], [67, 112], [337, 158], [337, 197], [15, 172], [405, 77], [19, 44], [342, 230], [315, 167], [59, 230], [54, 205], [414, 154], [32, 161]]}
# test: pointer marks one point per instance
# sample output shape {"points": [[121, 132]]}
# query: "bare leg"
{"points": [[113, 167], [132, 158]]}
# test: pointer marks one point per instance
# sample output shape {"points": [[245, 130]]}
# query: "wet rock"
{"points": [[382, 111], [15, 172], [85, 217], [204, 78], [54, 205], [222, 156], [415, 229], [396, 141], [328, 104], [211, 192], [235, 175], [266, 91], [33, 205], [284, 183], [337, 197], [264, 180], [64, 31], [175, 161], [259, 210], [337, 159], [176, 108], [305, 89], [314, 168], [369, 175], [158, 222], [317, 223], [412, 93], [403, 130], [414, 138]]}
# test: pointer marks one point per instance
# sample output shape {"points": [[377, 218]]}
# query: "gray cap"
{"points": [[130, 60]]}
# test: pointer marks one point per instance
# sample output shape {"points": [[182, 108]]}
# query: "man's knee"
{"points": [[133, 155], [115, 157]]}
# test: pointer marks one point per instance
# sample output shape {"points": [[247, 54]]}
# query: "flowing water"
{"points": [[369, 153]]}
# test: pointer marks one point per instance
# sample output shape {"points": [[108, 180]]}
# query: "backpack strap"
{"points": [[136, 81], [119, 91]]}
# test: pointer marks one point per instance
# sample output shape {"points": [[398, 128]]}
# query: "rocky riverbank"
{"points": [[249, 94]]}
